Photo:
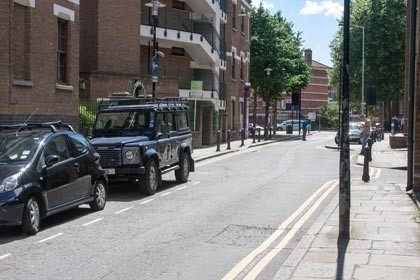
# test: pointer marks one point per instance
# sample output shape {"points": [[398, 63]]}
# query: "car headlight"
{"points": [[10, 183], [129, 155]]}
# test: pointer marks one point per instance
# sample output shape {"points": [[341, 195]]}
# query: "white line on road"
{"points": [[146, 201], [123, 210], [181, 188], [51, 237], [196, 183], [5, 256], [165, 194], [253, 274], [91, 222], [234, 272]]}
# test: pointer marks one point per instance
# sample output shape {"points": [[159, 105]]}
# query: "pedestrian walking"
{"points": [[304, 129], [367, 128]]}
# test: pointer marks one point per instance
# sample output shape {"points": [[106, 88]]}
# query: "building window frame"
{"points": [[234, 16], [62, 51]]}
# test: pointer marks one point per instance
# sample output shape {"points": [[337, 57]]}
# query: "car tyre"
{"points": [[31, 220], [149, 182], [280, 128], [99, 196], [183, 172]]}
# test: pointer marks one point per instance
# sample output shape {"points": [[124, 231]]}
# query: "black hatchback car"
{"points": [[46, 168]]}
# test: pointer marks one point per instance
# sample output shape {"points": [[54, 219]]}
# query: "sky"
{"points": [[315, 19]]}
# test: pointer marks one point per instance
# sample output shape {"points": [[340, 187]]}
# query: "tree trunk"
{"points": [[267, 112]]}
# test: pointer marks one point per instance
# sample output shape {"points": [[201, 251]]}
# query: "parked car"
{"points": [[140, 142], [355, 133], [257, 127], [282, 126], [46, 168]]}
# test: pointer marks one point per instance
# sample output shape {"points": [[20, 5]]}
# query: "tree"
{"points": [[384, 22], [274, 45]]}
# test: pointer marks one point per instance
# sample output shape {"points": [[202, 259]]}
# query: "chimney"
{"points": [[308, 56]]}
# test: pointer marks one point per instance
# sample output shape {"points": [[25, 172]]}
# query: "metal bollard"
{"points": [[365, 176], [219, 134], [253, 135], [228, 140], [265, 133], [242, 137], [259, 134], [369, 154], [270, 132]]}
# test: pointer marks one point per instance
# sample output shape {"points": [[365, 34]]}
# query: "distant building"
{"points": [[312, 97], [39, 60]]}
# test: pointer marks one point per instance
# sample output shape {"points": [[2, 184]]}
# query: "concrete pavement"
{"points": [[385, 234]]}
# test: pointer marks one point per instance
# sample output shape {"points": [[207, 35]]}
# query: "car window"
{"points": [[182, 121], [80, 146], [170, 121], [18, 148], [57, 146]]}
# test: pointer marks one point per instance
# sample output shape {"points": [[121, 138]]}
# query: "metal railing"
{"points": [[184, 21]]}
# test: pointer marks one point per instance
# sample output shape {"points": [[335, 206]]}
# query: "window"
{"points": [[57, 146], [233, 16], [178, 5], [62, 40], [233, 66], [242, 68], [170, 121], [80, 146], [21, 26], [178, 51], [182, 121], [243, 24]]}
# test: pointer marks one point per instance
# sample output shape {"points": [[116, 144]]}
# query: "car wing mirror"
{"points": [[51, 160]]}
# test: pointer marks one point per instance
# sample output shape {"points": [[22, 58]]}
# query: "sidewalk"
{"points": [[384, 238]]}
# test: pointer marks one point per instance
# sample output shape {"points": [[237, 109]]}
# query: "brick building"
{"points": [[39, 60], [315, 95], [206, 54]]}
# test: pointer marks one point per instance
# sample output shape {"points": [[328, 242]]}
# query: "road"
{"points": [[239, 216]]}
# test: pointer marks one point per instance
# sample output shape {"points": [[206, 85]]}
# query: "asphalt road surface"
{"points": [[238, 217]]}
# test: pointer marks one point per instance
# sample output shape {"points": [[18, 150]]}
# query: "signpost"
{"points": [[196, 92]]}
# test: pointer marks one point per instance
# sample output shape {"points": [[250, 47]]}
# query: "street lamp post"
{"points": [[363, 66], [268, 71], [155, 5]]}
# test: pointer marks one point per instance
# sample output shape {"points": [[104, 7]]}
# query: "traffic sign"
{"points": [[155, 65]]}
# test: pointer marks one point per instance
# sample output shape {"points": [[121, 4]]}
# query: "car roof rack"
{"points": [[54, 126], [166, 102]]}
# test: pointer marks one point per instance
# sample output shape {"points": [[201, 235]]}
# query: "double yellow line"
{"points": [[314, 202]]}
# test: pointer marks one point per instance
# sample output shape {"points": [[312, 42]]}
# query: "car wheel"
{"points": [[183, 172], [360, 140], [99, 196], [31, 219], [149, 182]]}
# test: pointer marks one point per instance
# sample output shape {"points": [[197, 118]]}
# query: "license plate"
{"points": [[110, 171]]}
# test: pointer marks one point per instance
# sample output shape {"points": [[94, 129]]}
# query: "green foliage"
{"points": [[329, 115], [87, 114], [384, 22], [274, 45]]}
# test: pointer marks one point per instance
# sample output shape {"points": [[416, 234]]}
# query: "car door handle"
{"points": [[77, 166]]}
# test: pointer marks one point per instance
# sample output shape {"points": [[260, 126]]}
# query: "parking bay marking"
{"points": [[91, 222], [49, 238], [123, 210], [181, 188], [146, 201], [165, 194], [196, 183], [234, 272], [5, 256]]}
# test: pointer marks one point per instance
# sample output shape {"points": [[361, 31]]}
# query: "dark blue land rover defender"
{"points": [[143, 139]]}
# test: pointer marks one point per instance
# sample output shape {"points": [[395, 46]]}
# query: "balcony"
{"points": [[192, 31], [218, 7], [183, 77]]}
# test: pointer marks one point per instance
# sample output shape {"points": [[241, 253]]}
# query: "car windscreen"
{"points": [[355, 126], [120, 123], [18, 149]]}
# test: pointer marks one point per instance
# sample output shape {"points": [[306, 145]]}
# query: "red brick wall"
{"points": [[42, 94]]}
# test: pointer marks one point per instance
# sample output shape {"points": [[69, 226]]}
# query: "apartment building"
{"points": [[39, 60], [312, 97], [195, 58]]}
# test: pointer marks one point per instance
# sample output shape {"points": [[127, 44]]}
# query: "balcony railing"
{"points": [[184, 21]]}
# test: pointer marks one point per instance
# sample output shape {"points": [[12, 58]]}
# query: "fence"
{"points": [[87, 114]]}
